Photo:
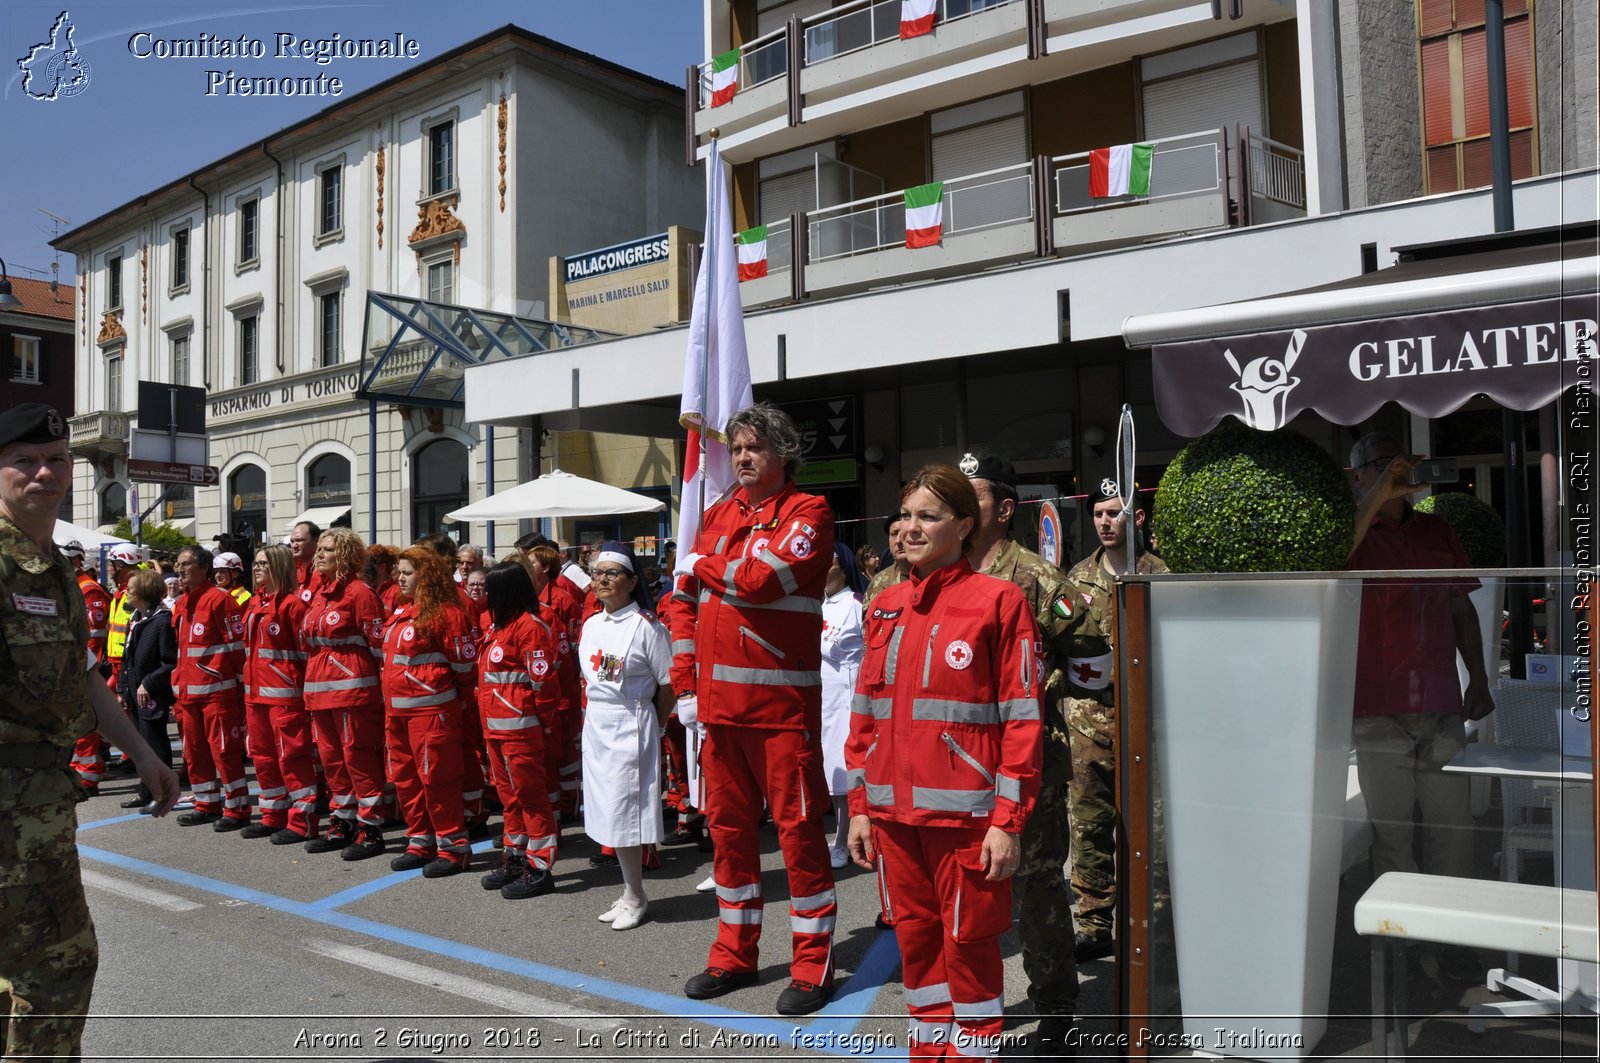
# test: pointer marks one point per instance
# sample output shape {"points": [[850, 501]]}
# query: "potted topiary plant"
{"points": [[1252, 683]]}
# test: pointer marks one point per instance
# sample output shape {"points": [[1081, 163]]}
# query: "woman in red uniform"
{"points": [[281, 746], [428, 654], [343, 638], [519, 698], [943, 766], [564, 613]]}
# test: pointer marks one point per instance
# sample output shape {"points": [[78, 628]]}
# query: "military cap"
{"points": [[1107, 491], [31, 422], [991, 467]]}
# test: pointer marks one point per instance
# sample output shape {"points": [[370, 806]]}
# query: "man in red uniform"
{"points": [[88, 762], [303, 544], [210, 698], [751, 590]]}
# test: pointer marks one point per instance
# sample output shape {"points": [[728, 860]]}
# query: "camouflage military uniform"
{"points": [[886, 577], [48, 952], [1093, 719], [1044, 903]]}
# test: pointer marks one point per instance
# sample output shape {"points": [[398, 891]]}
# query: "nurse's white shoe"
{"points": [[706, 885], [612, 912], [628, 916]]}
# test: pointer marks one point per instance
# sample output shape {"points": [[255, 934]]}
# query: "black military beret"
{"points": [[1107, 491], [31, 422], [991, 467]]}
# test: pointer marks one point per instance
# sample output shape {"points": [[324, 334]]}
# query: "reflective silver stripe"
{"points": [[955, 747], [861, 705], [421, 658], [461, 667], [1019, 709], [370, 802], [722, 544], [547, 842], [746, 632], [735, 894], [945, 711], [815, 901], [682, 646], [97, 632], [303, 793], [444, 697], [892, 661], [212, 688], [733, 567], [276, 692], [205, 788], [508, 678], [523, 724], [789, 604], [881, 795], [207, 651], [267, 654], [927, 658], [855, 778], [822, 924], [1025, 644], [781, 567], [273, 804], [740, 916], [341, 684], [766, 677], [935, 800], [992, 1008], [928, 995], [1007, 787], [429, 687], [349, 640]]}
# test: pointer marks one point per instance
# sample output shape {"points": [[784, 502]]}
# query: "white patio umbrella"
{"points": [[88, 537], [557, 494]]}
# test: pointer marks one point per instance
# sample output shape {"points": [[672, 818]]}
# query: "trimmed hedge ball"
{"points": [[1477, 524], [1241, 500]]}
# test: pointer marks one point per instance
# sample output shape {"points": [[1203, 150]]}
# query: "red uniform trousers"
{"points": [[517, 764], [350, 744], [472, 753], [948, 920], [284, 755], [569, 758], [88, 763], [742, 766], [425, 764], [675, 765], [213, 754]]}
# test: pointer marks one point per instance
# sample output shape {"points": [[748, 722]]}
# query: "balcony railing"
{"points": [[105, 433], [973, 202], [1277, 172], [866, 23], [762, 60], [1187, 165]]}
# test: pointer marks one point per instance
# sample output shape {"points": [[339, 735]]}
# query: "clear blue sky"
{"points": [[140, 123]]}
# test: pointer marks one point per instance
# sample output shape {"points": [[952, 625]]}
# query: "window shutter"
{"points": [[980, 148]]}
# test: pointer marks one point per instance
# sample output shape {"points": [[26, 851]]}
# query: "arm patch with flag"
{"points": [[752, 253], [1123, 170], [924, 214]]}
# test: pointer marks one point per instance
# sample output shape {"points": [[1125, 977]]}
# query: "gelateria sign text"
{"points": [[260, 399]]}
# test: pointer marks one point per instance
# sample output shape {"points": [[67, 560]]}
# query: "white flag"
{"points": [[716, 370]]}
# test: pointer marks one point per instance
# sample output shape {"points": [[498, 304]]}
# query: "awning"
{"points": [[323, 517], [558, 494], [90, 539], [1516, 324]]}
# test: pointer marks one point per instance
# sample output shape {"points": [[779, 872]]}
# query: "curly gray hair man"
{"points": [[777, 428]]}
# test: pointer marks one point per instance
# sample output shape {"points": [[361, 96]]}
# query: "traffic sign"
{"points": [[172, 472]]}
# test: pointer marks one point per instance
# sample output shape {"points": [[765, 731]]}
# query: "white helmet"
{"points": [[230, 560], [127, 553], [72, 549]]}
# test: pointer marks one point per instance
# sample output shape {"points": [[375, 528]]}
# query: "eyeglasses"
{"points": [[258, 564], [606, 575]]}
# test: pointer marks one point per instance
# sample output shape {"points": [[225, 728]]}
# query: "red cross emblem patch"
{"points": [[1086, 673], [958, 655]]}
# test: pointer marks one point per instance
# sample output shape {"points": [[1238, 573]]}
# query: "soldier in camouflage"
{"points": [[1045, 904], [1092, 716], [891, 574], [48, 953]]}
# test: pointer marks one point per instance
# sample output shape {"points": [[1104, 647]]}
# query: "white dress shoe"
{"points": [[611, 913], [706, 885], [628, 916]]}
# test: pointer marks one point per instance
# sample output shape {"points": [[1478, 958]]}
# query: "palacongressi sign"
{"points": [[1522, 355]]}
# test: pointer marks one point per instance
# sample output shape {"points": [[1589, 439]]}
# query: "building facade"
{"points": [[1294, 143], [36, 338], [451, 184]]}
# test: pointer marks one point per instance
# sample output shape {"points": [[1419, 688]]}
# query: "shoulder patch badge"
{"points": [[1062, 607]]}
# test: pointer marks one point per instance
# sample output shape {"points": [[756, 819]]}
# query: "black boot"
{"points": [[510, 869], [533, 882], [340, 833], [368, 843]]}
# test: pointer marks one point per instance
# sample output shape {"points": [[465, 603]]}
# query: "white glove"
{"points": [[689, 711], [685, 565]]}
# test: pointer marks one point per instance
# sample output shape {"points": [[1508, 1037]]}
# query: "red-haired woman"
{"points": [[943, 766], [518, 698], [343, 636], [428, 660], [281, 746]]}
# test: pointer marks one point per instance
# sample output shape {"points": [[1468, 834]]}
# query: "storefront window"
{"points": [[438, 486]]}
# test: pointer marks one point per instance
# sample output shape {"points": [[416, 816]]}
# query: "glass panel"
{"points": [[328, 482]]}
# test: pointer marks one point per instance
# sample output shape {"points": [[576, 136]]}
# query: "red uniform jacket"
{"points": [[425, 672], [275, 661], [756, 615], [210, 647], [516, 679], [559, 610], [97, 603], [343, 637], [683, 672], [945, 727]]}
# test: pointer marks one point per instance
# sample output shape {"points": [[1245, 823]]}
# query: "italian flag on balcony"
{"points": [[924, 214], [917, 17], [724, 77], [1120, 171], [752, 253]]}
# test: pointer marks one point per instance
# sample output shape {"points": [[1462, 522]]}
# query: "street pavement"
{"points": [[214, 947]]}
